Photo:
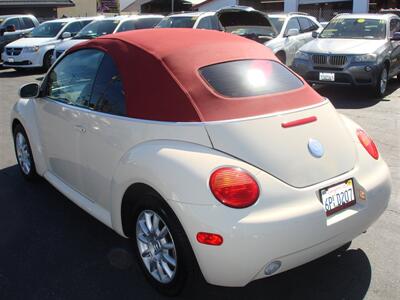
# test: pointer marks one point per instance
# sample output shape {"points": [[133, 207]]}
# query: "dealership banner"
{"points": [[108, 6]]}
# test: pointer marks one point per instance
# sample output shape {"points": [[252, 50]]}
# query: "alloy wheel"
{"points": [[156, 246], [383, 82], [24, 157]]}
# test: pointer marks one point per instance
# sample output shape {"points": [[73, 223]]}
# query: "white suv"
{"points": [[35, 51], [295, 30]]}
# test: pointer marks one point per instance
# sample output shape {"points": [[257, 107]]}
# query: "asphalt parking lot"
{"points": [[51, 249]]}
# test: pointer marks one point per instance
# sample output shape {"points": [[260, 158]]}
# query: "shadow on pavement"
{"points": [[11, 73], [353, 97], [51, 249]]}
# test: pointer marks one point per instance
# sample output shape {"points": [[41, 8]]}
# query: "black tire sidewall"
{"points": [[47, 61], [186, 264], [377, 88], [32, 173]]}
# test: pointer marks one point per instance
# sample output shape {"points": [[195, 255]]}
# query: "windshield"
{"points": [[355, 29], [97, 28], [177, 22], [277, 22], [46, 30]]}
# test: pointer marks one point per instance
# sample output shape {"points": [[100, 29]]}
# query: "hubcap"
{"points": [[156, 246], [24, 158], [383, 82]]}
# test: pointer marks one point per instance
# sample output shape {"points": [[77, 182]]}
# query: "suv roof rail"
{"points": [[298, 13]]}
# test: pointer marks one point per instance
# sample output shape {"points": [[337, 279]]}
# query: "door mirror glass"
{"points": [[30, 90], [396, 36], [66, 35], [293, 32], [314, 34]]}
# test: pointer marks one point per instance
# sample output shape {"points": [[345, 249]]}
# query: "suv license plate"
{"points": [[338, 197], [10, 60], [327, 76]]}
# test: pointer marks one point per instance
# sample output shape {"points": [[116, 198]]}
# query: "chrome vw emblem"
{"points": [[315, 147]]}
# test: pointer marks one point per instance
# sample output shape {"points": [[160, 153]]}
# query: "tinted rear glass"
{"points": [[247, 78], [177, 22]]}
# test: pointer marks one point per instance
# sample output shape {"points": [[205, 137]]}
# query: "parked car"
{"points": [[205, 150], [240, 20], [358, 50], [36, 49], [14, 27], [107, 26], [295, 30]]}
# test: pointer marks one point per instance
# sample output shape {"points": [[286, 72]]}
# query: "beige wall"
{"points": [[82, 8]]}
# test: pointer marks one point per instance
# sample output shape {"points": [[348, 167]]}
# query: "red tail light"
{"points": [[234, 187], [209, 238], [368, 143]]}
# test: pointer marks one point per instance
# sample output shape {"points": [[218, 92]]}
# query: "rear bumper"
{"points": [[286, 224], [355, 74]]}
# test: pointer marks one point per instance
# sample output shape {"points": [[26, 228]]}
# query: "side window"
{"points": [[127, 25], [86, 22], [305, 24], [215, 23], [73, 28], [313, 25], [205, 23], [13, 22], [292, 24], [394, 26], [27, 23], [108, 92], [71, 80]]}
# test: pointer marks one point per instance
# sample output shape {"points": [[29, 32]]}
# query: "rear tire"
{"points": [[168, 275], [23, 153]]}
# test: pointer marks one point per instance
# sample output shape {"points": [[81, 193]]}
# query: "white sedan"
{"points": [[205, 150]]}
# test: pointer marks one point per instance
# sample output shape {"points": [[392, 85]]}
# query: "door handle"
{"points": [[80, 128]]}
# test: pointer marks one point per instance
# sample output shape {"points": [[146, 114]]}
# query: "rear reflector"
{"points": [[299, 122], [212, 239], [368, 143]]}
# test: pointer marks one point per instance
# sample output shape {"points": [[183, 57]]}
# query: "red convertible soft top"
{"points": [[160, 75]]}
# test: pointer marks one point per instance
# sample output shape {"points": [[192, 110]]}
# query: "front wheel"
{"points": [[381, 83], [162, 248], [24, 153]]}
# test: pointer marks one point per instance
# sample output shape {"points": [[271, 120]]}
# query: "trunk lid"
{"points": [[284, 152]]}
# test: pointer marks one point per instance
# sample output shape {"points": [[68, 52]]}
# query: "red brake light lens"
{"points": [[368, 143], [234, 187], [209, 239]]}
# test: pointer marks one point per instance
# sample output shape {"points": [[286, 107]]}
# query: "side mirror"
{"points": [[292, 32], [395, 37], [30, 90], [314, 34], [11, 28], [66, 35]]}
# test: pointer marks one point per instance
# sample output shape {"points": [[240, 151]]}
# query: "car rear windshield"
{"points": [[97, 28], [47, 30], [247, 78], [177, 22], [357, 28]]}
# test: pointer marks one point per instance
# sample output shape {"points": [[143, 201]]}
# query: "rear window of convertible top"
{"points": [[247, 78]]}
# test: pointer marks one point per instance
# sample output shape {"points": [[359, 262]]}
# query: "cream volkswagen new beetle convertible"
{"points": [[203, 148]]}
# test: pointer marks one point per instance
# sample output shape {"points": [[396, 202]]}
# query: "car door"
{"points": [[64, 98], [291, 43], [395, 47], [102, 146]]}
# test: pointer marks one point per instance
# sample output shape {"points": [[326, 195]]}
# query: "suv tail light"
{"points": [[368, 143], [234, 187]]}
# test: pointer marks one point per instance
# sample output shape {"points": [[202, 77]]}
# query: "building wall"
{"points": [[82, 8], [217, 4]]}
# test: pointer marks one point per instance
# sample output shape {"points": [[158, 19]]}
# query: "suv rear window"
{"points": [[247, 78]]}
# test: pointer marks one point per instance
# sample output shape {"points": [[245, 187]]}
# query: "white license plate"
{"points": [[338, 197], [327, 76], [10, 60]]}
